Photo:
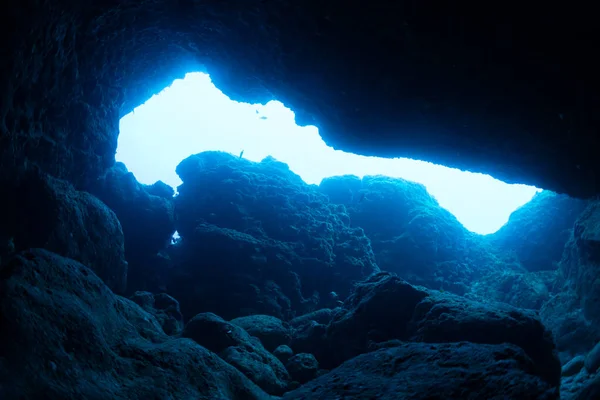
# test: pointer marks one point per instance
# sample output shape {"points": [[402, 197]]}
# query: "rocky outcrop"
{"points": [[41, 211], [65, 335], [513, 94], [271, 331], [536, 233], [234, 345], [164, 308], [572, 314], [146, 213], [255, 239], [518, 288], [425, 371], [410, 233], [385, 307]]}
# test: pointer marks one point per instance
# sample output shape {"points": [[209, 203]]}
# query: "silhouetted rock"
{"points": [[536, 232], [426, 371], [234, 345], [262, 239], [66, 336], [41, 211], [410, 233], [147, 216]]}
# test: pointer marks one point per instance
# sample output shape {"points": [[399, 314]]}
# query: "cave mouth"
{"points": [[193, 115]]}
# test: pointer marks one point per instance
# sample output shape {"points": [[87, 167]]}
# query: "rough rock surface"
{"points": [[410, 233], [147, 216], [66, 336], [518, 288], [430, 371], [384, 307], [573, 314], [41, 211], [537, 232], [256, 239], [271, 331], [302, 367], [164, 308], [234, 345], [471, 85]]}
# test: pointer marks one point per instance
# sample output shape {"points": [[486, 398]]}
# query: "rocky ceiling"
{"points": [[496, 87]]}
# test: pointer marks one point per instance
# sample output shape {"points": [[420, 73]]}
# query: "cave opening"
{"points": [[193, 115]]}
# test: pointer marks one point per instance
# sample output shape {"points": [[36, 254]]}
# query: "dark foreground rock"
{"points": [[385, 307], [464, 371], [38, 210], [234, 345], [65, 336], [147, 215]]}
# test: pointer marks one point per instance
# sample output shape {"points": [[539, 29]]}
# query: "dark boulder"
{"points": [[66, 336], [234, 345], [433, 371], [38, 210], [267, 242], [147, 216]]}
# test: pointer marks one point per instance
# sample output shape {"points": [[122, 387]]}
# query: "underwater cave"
{"points": [[345, 242]]}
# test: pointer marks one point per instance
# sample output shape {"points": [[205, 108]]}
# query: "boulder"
{"points": [[66, 336]]}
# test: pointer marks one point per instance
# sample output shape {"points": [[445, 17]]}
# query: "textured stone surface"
{"points": [[536, 233], [470, 85], [66, 336], [234, 345], [428, 371], [38, 210]]}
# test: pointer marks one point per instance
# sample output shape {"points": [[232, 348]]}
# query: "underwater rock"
{"points": [[410, 233], [147, 216], [519, 289], [41, 211], [536, 233], [302, 367], [385, 307], [271, 242], [572, 331], [283, 353], [271, 331], [322, 316], [66, 336], [426, 371], [592, 360], [574, 366], [164, 308], [234, 345], [573, 314]]}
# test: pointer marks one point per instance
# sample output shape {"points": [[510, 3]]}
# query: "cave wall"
{"points": [[504, 88]]}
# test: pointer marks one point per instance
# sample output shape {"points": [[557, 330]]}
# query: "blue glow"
{"points": [[192, 116]]}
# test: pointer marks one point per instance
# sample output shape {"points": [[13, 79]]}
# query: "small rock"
{"points": [[592, 361], [283, 353], [574, 366], [303, 367]]}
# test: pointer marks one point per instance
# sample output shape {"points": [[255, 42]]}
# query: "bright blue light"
{"points": [[192, 116]]}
